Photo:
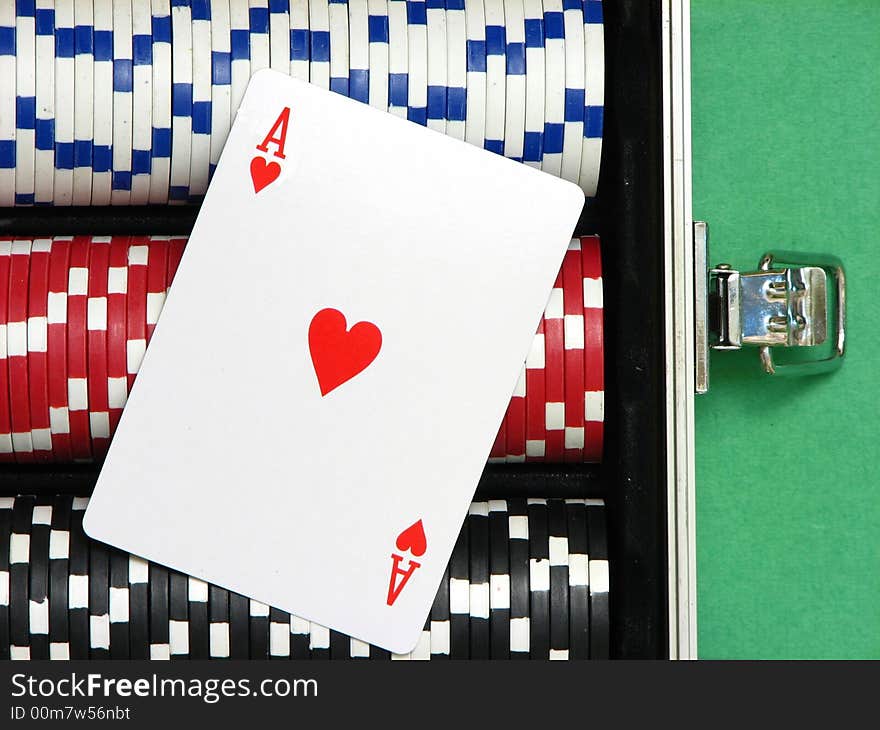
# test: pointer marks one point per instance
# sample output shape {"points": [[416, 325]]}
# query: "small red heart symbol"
{"points": [[263, 173], [413, 539], [339, 354]]}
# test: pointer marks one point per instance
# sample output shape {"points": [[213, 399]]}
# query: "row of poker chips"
{"points": [[118, 102], [76, 314], [528, 579]]}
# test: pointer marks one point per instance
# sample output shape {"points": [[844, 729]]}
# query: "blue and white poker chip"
{"points": [[142, 103], [25, 101], [358, 52], [496, 75], [221, 77], [475, 118], [554, 87], [123, 102], [200, 159], [44, 154], [377, 34], [7, 104], [160, 147], [299, 39], [338, 19], [456, 73], [319, 43], [102, 122], [181, 100], [533, 138], [417, 40], [83, 100], [515, 97], [259, 25], [437, 64], [573, 133], [279, 35], [398, 59], [594, 96], [240, 48]]}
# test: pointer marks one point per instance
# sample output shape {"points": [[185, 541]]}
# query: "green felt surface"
{"points": [[786, 139]]}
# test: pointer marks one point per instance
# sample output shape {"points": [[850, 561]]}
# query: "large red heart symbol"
{"points": [[263, 173], [339, 354], [413, 539]]}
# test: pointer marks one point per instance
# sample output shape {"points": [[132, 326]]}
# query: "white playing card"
{"points": [[230, 465]]}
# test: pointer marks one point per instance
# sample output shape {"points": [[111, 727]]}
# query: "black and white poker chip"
{"points": [[319, 642], [299, 638], [279, 634], [38, 599], [578, 580], [139, 607], [59, 571], [518, 558], [78, 594], [19, 558], [478, 534], [259, 635], [6, 504], [239, 627], [539, 580], [178, 615], [340, 646], [199, 630], [558, 548], [499, 580], [600, 614], [459, 596], [218, 618], [439, 620], [99, 601], [160, 641], [120, 609]]}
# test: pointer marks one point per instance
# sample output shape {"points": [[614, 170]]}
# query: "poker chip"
{"points": [[221, 75], [338, 22], [573, 132], [377, 35], [142, 102], [600, 614], [178, 615], [25, 108], [8, 99], [44, 122], [16, 351], [19, 578], [536, 433], [139, 607], [459, 597], [38, 574], [340, 646], [56, 348], [157, 283], [515, 422], [496, 72], [279, 34], [218, 617], [59, 572], [123, 102], [96, 323], [573, 337], [558, 546], [456, 62], [578, 580], [6, 504], [120, 605], [99, 601], [554, 87], [299, 38], [77, 349], [417, 53], [499, 580], [319, 42], [83, 101], [6, 453], [358, 51], [239, 627], [103, 120], [175, 254], [533, 130], [259, 632], [136, 308], [499, 446], [594, 349], [515, 81], [479, 596], [279, 634], [594, 96], [160, 640], [437, 64], [78, 592], [319, 642], [160, 145], [37, 343], [299, 638], [518, 557], [199, 628], [117, 329], [240, 50], [181, 100], [200, 156], [539, 579], [439, 625], [475, 115], [398, 58], [554, 375], [258, 14]]}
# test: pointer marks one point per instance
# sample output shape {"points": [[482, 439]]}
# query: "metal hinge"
{"points": [[786, 303]]}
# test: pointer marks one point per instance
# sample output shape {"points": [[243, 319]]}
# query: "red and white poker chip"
{"points": [[136, 307], [77, 348], [37, 334], [573, 320], [117, 333], [499, 447], [594, 349], [16, 351], [157, 284], [6, 455], [554, 374], [96, 323], [56, 349], [536, 434], [516, 422], [175, 254]]}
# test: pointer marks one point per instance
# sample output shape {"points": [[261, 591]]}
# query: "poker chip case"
{"points": [[644, 484]]}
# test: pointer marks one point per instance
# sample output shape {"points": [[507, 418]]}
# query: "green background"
{"points": [[786, 112]]}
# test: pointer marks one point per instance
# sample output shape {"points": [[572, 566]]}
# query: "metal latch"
{"points": [[784, 304]]}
